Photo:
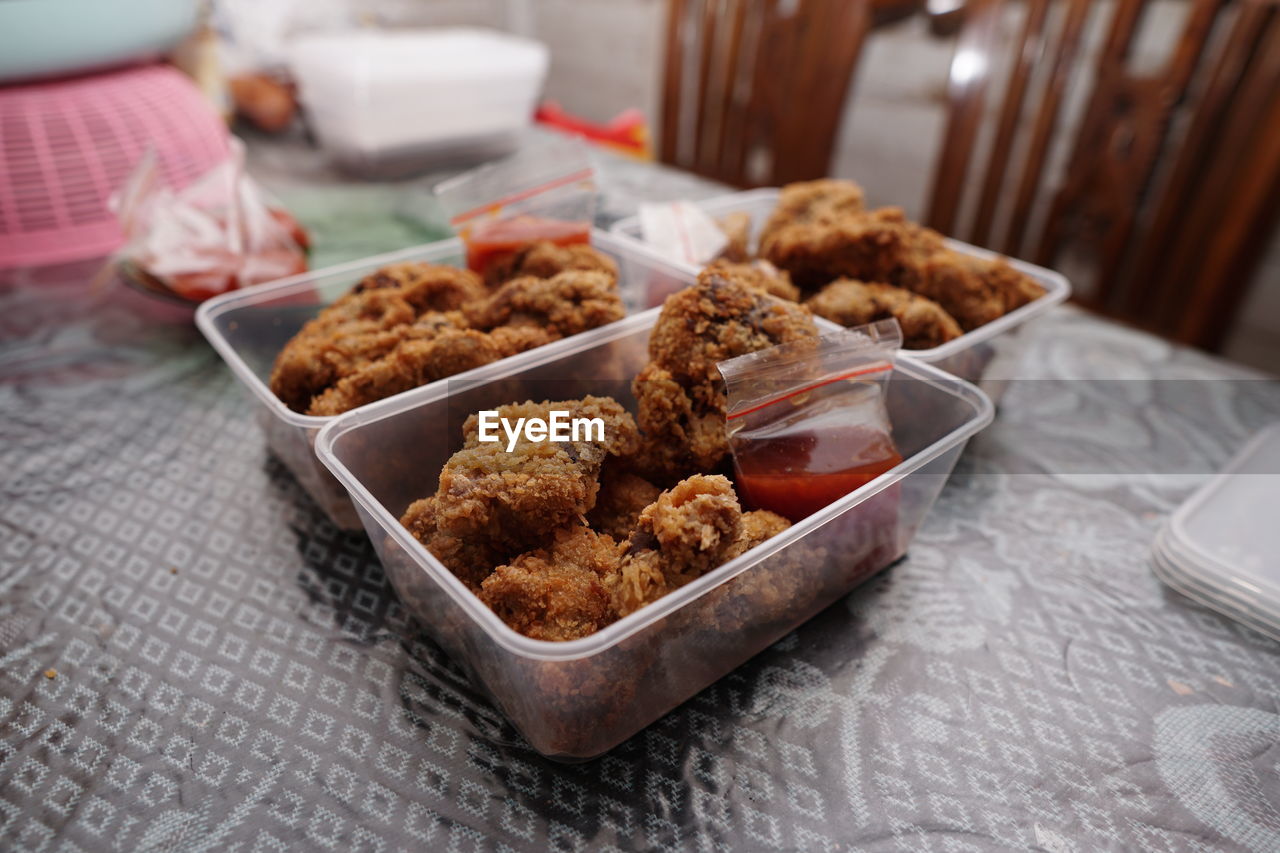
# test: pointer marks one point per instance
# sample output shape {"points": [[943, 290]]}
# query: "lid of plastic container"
{"points": [[1222, 547]]}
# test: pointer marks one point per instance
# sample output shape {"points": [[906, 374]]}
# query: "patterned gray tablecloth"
{"points": [[191, 658]]}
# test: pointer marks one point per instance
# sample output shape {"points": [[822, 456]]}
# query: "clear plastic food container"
{"points": [[249, 327], [575, 700], [968, 356], [1220, 547]]}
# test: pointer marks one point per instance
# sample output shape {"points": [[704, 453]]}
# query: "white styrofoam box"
{"points": [[385, 95]]}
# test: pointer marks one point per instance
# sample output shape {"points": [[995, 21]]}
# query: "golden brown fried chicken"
{"points": [[757, 526], [623, 496], [973, 290], [427, 287], [680, 392], [543, 259], [761, 275], [737, 230], [565, 304], [855, 303], [399, 328], [688, 531], [515, 500], [869, 246], [411, 364], [812, 202], [883, 246], [557, 592], [471, 560]]}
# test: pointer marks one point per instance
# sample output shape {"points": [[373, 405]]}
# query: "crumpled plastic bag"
{"points": [[220, 233]]}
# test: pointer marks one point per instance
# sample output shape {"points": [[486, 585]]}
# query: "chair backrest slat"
{"points": [[1159, 168], [754, 89]]}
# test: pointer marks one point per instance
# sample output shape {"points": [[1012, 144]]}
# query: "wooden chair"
{"points": [[755, 89], [1172, 183]]}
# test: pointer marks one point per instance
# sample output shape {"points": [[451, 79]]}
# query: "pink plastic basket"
{"points": [[67, 145]]}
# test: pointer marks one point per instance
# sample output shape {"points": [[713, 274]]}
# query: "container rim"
{"points": [[547, 650], [1179, 540], [1057, 286], [208, 312], [1240, 605]]}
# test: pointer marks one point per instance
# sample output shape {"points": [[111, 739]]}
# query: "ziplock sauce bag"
{"points": [[544, 192], [807, 421]]}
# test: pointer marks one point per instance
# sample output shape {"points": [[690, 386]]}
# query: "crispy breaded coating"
{"points": [[411, 364], [869, 246], [515, 500], [757, 526], [812, 202], [470, 560], [357, 349], [680, 392], [565, 304], [544, 259], [883, 246], [737, 230], [761, 275], [688, 531], [973, 290], [855, 303], [427, 287], [623, 496], [510, 340], [557, 592]]}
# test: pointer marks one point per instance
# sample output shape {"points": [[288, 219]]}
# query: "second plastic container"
{"points": [[574, 700], [969, 356]]}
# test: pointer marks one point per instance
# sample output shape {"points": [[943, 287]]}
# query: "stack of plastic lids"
{"points": [[1222, 547]]}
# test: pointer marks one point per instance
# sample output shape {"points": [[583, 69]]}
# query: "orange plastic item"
{"points": [[627, 133]]}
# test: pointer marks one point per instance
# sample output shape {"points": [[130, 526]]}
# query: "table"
{"points": [[192, 658]]}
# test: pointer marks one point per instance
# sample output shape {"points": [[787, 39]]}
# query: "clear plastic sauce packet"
{"points": [[544, 192], [807, 421]]}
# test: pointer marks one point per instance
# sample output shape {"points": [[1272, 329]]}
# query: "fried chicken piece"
{"points": [[557, 592], [510, 340], [515, 500], [623, 496], [760, 275], [356, 329], [471, 560], [973, 290], [427, 287], [758, 526], [544, 259], [855, 303], [737, 230], [812, 203], [680, 392], [411, 364], [565, 304], [869, 246], [682, 435], [883, 246], [688, 531]]}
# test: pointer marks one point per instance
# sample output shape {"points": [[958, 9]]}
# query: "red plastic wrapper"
{"points": [[221, 233]]}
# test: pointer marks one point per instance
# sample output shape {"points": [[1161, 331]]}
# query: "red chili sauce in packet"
{"points": [[543, 192], [494, 239], [807, 421]]}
